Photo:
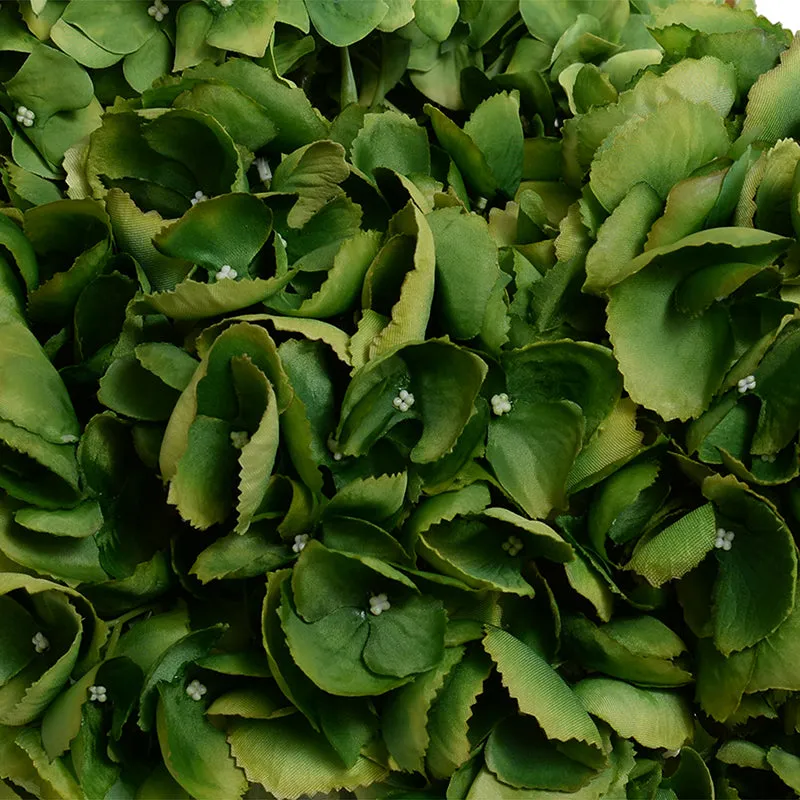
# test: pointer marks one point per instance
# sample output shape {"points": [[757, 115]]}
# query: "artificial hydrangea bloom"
{"points": [[199, 197], [513, 546], [40, 642]]}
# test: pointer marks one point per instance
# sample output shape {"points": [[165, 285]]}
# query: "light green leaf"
{"points": [[448, 718], [343, 25], [652, 717], [244, 27], [289, 759], [540, 691], [771, 105], [696, 136], [676, 550]]}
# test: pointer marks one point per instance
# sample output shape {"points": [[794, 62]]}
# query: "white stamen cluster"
{"points": [[724, 540], [500, 404], [196, 690], [768, 458], [403, 401], [746, 384], [40, 642], [481, 203], [25, 116], [513, 546], [199, 197], [227, 272], [264, 171], [97, 694], [239, 439], [225, 3], [300, 542], [158, 10], [379, 603]]}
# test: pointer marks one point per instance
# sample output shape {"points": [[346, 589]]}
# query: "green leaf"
{"points": [[38, 401], [289, 759], [244, 27], [466, 270], [532, 449], [171, 663], [548, 22], [652, 717], [230, 229], [786, 766], [392, 141], [195, 752], [670, 553], [449, 716], [696, 136], [770, 103], [541, 692], [598, 648], [130, 389], [313, 173], [621, 237], [496, 130], [79, 522], [149, 63], [405, 718], [122, 28], [50, 82], [518, 753], [344, 25], [759, 572], [329, 651]]}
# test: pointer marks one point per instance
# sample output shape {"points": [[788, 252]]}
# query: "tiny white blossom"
{"points": [[199, 197], [25, 116], [513, 546], [239, 439], [97, 694], [196, 690], [770, 459], [724, 540], [40, 642], [225, 3], [480, 203], [403, 401], [500, 404], [379, 603], [227, 272], [337, 456], [300, 542], [158, 10], [746, 384], [264, 171]]}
